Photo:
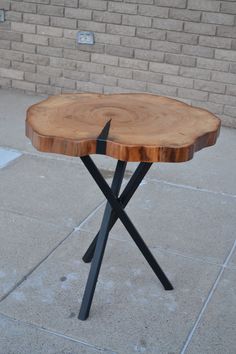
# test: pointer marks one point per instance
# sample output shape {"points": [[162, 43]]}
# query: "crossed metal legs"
{"points": [[114, 210]]}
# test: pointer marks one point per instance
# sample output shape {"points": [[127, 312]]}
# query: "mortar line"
{"points": [[189, 338], [48, 255], [55, 333]]}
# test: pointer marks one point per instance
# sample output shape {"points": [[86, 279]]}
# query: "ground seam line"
{"points": [[189, 338], [47, 256], [58, 334], [186, 186]]}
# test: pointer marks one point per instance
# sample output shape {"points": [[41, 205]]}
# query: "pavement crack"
{"points": [[206, 302], [58, 334]]}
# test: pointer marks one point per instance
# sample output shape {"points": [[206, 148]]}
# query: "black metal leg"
{"points": [[101, 244], [125, 197], [118, 208]]}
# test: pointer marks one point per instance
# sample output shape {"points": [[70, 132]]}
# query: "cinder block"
{"points": [[103, 79], [23, 27], [63, 82], [226, 31], [45, 50], [165, 46], [120, 51], [107, 38], [83, 86], [4, 63], [164, 68], [161, 89], [205, 5], [232, 68], [198, 51], [153, 11], [81, 14], [185, 15], [178, 59], [181, 37], [5, 83], [151, 33], [225, 54], [23, 7], [195, 73], [210, 106], [228, 7], [178, 81], [50, 10], [132, 84], [90, 67], [215, 42], [23, 85], [136, 20], [59, 42], [11, 55], [4, 44], [76, 75], [168, 24], [36, 59], [36, 19], [218, 18], [225, 99], [230, 111], [48, 90], [69, 3], [192, 94], [118, 72], [172, 3], [200, 28], [212, 64], [49, 71], [37, 78], [23, 67], [136, 42], [5, 4], [223, 77], [122, 8], [90, 26], [76, 55], [149, 55], [49, 31], [93, 4], [120, 30], [63, 63], [11, 74], [231, 90], [13, 16], [209, 86], [23, 47], [147, 76], [133, 64], [104, 59], [107, 17], [63, 22]]}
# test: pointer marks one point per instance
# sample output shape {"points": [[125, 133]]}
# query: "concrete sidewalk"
{"points": [[50, 210]]}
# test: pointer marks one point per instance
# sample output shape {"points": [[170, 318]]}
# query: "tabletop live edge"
{"points": [[129, 127]]}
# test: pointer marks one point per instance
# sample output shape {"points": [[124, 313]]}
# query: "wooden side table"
{"points": [[128, 127]]}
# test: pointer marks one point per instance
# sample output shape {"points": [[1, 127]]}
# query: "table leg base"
{"points": [[114, 210]]}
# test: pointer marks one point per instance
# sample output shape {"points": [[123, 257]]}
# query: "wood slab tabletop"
{"points": [[128, 127]]}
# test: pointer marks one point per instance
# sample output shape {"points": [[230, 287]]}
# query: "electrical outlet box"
{"points": [[2, 15], [85, 37]]}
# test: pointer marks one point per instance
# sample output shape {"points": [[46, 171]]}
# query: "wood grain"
{"points": [[128, 127]]}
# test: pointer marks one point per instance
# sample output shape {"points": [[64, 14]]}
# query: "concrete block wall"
{"points": [[180, 48]]}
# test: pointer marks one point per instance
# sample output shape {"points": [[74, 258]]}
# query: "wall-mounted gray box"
{"points": [[2, 15], [85, 37]]}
